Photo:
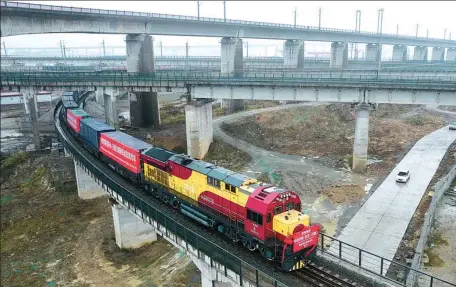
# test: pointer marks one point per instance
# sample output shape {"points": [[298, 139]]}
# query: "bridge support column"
{"points": [[111, 112], [29, 96], [373, 52], [198, 124], [399, 53], [420, 53], [451, 55], [140, 53], [130, 231], [236, 105], [361, 138], [99, 96], [144, 109], [88, 188], [293, 54], [231, 57], [438, 54], [232, 65], [339, 55]]}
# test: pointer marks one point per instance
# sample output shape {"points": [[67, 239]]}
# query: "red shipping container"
{"points": [[74, 118], [123, 149]]}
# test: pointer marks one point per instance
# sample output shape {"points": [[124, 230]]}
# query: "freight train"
{"points": [[261, 216]]}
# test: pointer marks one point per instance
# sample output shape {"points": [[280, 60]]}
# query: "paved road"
{"points": [[380, 224]]}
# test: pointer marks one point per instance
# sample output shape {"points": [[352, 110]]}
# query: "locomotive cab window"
{"points": [[268, 218], [255, 217], [289, 206], [213, 181], [298, 207], [230, 187], [277, 210]]}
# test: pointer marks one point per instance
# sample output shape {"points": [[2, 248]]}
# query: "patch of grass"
{"points": [[226, 156], [434, 259], [14, 159], [35, 181], [217, 111], [418, 120]]}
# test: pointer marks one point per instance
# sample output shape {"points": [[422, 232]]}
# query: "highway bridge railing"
{"points": [[200, 19], [138, 205], [183, 79], [377, 265], [248, 68]]}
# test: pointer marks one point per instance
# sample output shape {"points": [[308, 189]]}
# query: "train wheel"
{"points": [[267, 253], [250, 245], [175, 203]]}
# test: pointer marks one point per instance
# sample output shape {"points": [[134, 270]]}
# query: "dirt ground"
{"points": [[327, 132], [49, 237], [441, 252]]}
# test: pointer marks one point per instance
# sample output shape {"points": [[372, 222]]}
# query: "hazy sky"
{"points": [[432, 15]]}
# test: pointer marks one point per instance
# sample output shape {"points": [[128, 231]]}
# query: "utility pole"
{"points": [[319, 18], [197, 7], [357, 30], [6, 54], [161, 49], [380, 21], [417, 26], [397, 29], [186, 55], [104, 48], [247, 48], [295, 13], [427, 33], [224, 10], [444, 37]]}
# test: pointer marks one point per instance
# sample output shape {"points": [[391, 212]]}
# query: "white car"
{"points": [[403, 176], [452, 126]]}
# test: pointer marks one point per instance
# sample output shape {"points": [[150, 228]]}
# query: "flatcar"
{"points": [[261, 216]]}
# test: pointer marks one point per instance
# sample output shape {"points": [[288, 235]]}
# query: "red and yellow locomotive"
{"points": [[261, 216]]}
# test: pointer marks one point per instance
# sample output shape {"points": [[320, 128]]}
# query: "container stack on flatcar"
{"points": [[259, 215], [74, 117], [90, 132], [123, 149]]}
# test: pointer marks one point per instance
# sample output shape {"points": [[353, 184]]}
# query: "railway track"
{"points": [[320, 277]]}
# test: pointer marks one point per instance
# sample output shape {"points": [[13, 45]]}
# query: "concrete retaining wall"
{"points": [[439, 189]]}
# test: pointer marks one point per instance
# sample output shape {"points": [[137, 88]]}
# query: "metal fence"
{"points": [[439, 189], [375, 264]]}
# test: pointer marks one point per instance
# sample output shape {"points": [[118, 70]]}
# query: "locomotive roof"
{"points": [[220, 173], [158, 153]]}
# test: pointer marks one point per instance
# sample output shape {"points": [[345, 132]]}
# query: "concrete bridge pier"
{"points": [[339, 55], [451, 55], [399, 53], [99, 96], [361, 138], [293, 54], [29, 96], [420, 53], [140, 53], [438, 54], [198, 125], [373, 52], [88, 188], [130, 231], [144, 109], [232, 65], [111, 111]]}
